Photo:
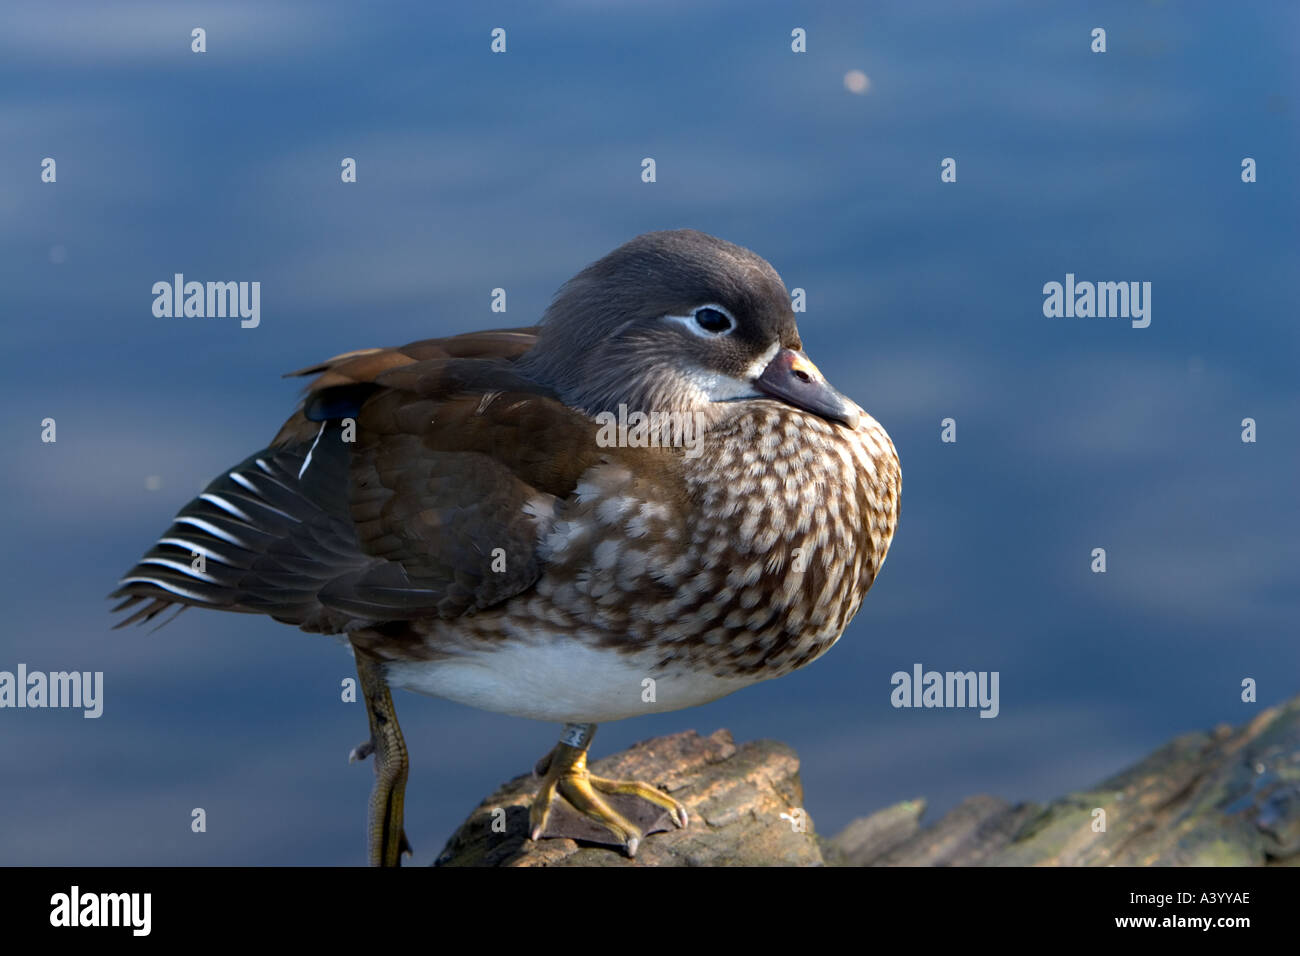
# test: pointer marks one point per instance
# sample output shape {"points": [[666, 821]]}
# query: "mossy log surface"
{"points": [[1226, 797]]}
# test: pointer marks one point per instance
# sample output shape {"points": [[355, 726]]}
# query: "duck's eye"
{"points": [[714, 321]]}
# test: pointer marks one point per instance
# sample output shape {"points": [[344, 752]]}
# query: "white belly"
{"points": [[561, 680]]}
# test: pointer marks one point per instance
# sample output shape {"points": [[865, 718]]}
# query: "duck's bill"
{"points": [[794, 379]]}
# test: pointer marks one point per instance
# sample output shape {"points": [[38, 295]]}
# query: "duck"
{"points": [[460, 513]]}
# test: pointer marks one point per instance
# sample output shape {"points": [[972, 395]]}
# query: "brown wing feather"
{"points": [[432, 509], [495, 349]]}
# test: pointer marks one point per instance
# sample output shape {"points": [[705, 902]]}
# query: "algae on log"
{"points": [[1227, 797]]}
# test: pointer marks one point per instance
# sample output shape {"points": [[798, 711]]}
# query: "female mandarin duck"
{"points": [[454, 509]]}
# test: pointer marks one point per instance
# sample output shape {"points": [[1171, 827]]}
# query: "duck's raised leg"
{"points": [[573, 803], [386, 838]]}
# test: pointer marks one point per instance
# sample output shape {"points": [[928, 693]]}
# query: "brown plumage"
{"points": [[455, 506]]}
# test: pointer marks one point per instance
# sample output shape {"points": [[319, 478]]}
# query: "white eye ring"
{"points": [[692, 322]]}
